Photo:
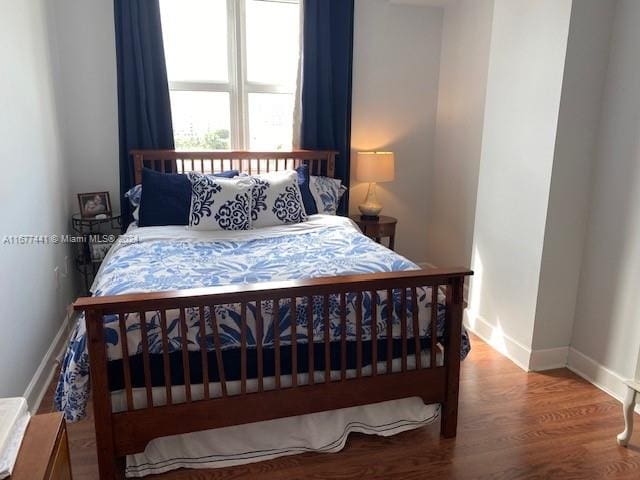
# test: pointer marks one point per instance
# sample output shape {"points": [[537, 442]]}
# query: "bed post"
{"points": [[453, 339], [101, 395]]}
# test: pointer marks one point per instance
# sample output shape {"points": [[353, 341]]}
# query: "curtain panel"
{"points": [[327, 59], [144, 109]]}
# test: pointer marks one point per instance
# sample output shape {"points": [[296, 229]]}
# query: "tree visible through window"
{"points": [[232, 67]]}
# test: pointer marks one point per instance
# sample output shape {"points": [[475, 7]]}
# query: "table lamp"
{"points": [[374, 167]]}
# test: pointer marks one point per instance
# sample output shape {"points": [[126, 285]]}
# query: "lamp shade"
{"points": [[375, 166]]}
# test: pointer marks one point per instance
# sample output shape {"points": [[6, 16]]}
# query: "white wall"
{"points": [[33, 194], [567, 213], [87, 87], [528, 45], [395, 84], [453, 183], [607, 322]]}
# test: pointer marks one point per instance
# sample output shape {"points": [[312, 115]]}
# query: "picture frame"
{"points": [[99, 249], [94, 203]]}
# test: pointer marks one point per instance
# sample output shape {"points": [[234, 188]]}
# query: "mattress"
{"points": [[168, 258]]}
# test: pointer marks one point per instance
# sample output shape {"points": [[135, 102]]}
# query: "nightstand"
{"points": [[377, 229], [95, 237]]}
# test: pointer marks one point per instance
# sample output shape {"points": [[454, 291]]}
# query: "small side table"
{"points": [[377, 229], [93, 230]]}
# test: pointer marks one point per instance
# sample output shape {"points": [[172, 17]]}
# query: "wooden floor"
{"points": [[512, 425]]}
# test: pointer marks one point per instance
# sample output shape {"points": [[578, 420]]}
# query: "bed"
{"points": [[189, 331]]}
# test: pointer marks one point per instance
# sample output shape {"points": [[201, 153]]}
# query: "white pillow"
{"points": [[327, 193], [220, 203], [277, 200]]}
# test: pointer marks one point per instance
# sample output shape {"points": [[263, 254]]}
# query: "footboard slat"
{"points": [[294, 340], [243, 348], [327, 338], [359, 334], [186, 372], [403, 327], [165, 356], [434, 324], [145, 359], [343, 336], [416, 326], [276, 339], [389, 330], [217, 345], [203, 352], [125, 360], [310, 340], [259, 337], [374, 333]]}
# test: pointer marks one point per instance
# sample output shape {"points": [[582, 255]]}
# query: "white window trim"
{"points": [[237, 86]]}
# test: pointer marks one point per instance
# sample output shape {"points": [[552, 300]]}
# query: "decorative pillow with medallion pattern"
{"points": [[277, 200], [220, 203]]}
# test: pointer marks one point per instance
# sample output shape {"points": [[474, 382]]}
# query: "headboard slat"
{"points": [[321, 162]]}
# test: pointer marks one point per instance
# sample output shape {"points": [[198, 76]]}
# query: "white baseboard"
{"points": [[606, 380], [548, 359], [425, 265], [43, 376], [510, 348]]}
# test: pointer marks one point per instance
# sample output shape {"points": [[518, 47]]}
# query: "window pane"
{"points": [[195, 39], [272, 42], [201, 120], [270, 121]]}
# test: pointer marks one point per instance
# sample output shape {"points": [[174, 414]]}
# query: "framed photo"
{"points": [[98, 250], [94, 203]]}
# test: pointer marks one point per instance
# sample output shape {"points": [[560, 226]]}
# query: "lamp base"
{"points": [[370, 218], [371, 207]]}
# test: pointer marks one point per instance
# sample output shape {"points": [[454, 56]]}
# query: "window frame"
{"points": [[238, 86]]}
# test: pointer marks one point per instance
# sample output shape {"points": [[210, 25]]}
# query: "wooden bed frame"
{"points": [[129, 431]]}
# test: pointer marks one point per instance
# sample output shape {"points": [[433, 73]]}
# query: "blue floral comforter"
{"points": [[169, 258]]}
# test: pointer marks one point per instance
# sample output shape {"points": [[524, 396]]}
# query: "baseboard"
{"points": [[606, 380], [507, 346], [548, 359], [41, 380], [425, 265]]}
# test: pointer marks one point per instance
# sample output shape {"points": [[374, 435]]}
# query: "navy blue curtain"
{"points": [[144, 109], [326, 81]]}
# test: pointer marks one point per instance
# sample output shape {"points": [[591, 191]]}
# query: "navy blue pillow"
{"points": [[166, 198], [303, 182]]}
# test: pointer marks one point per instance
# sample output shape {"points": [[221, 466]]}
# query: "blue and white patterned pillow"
{"points": [[327, 193], [134, 195], [277, 200], [220, 203]]}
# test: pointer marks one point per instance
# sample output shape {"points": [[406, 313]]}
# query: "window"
{"points": [[232, 67]]}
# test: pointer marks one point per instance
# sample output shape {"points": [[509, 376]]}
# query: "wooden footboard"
{"points": [[127, 432]]}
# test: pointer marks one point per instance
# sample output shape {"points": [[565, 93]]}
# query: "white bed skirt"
{"points": [[323, 432]]}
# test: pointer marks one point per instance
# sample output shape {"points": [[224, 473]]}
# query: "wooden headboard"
{"points": [[321, 162]]}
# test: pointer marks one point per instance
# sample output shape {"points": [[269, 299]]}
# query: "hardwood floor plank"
{"points": [[512, 425]]}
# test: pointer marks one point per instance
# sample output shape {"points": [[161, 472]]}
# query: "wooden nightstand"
{"points": [[44, 453], [377, 229]]}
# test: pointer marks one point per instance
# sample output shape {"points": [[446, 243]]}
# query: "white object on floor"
{"points": [[633, 388], [14, 418], [324, 432]]}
